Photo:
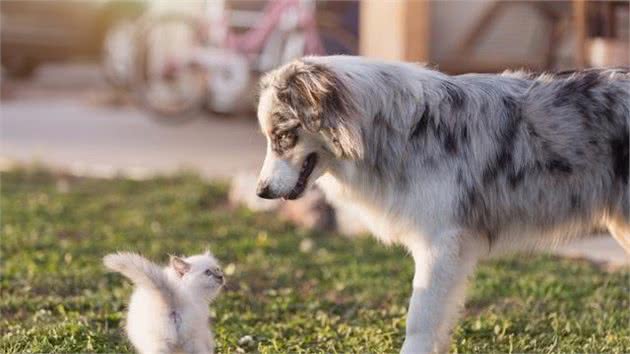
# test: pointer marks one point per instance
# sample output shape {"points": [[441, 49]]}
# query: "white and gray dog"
{"points": [[455, 168]]}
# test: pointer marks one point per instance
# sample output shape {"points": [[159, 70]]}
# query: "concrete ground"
{"points": [[66, 118], [78, 124]]}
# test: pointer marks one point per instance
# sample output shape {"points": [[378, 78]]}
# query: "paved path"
{"points": [[62, 126], [64, 133], [57, 123]]}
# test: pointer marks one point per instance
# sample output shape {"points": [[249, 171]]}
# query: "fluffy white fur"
{"points": [[168, 311]]}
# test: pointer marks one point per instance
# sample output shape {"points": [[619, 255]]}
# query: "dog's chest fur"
{"points": [[391, 214]]}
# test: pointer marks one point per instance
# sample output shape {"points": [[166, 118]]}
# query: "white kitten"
{"points": [[168, 311]]}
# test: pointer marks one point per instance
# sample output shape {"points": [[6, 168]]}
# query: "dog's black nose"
{"points": [[264, 191]]}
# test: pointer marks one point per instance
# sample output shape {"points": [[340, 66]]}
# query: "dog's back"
{"points": [[544, 152], [555, 152]]}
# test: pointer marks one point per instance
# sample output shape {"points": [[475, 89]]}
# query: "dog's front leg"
{"points": [[441, 270]]}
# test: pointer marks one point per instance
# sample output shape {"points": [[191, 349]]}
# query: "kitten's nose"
{"points": [[218, 274]]}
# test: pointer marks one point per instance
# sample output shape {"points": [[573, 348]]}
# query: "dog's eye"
{"points": [[286, 140], [208, 272]]}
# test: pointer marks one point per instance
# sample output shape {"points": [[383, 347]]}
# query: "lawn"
{"points": [[338, 295]]}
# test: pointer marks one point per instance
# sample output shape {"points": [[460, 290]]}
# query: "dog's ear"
{"points": [[180, 266], [305, 91], [315, 96]]}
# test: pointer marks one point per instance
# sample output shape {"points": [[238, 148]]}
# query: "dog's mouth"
{"points": [[305, 172]]}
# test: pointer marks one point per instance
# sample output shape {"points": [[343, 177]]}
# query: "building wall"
{"points": [[519, 34]]}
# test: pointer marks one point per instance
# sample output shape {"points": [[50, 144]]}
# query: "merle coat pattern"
{"points": [[456, 168]]}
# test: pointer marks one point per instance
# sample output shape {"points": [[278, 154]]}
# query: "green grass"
{"points": [[342, 296]]}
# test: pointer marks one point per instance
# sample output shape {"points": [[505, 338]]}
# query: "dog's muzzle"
{"points": [[265, 191], [305, 172]]}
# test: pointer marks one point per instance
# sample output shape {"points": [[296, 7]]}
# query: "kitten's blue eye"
{"points": [[208, 272]]}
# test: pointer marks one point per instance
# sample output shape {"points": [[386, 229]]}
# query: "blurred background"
{"points": [[138, 88]]}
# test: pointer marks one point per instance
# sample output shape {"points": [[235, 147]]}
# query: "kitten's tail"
{"points": [[141, 272]]}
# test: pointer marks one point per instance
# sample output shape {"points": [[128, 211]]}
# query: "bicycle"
{"points": [[185, 63]]}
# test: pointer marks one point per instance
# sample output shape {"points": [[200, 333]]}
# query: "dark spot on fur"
{"points": [[471, 198], [489, 174], [620, 157], [531, 130], [380, 136], [473, 212], [516, 178], [561, 99], [443, 134], [559, 165], [421, 125], [506, 141], [464, 134], [574, 202], [450, 143], [605, 110], [505, 159], [455, 95], [610, 97], [577, 90]]}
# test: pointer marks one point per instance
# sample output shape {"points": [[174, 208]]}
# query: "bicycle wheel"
{"points": [[118, 53], [228, 79], [166, 81]]}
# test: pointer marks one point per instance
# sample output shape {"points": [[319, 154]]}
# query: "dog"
{"points": [[455, 168]]}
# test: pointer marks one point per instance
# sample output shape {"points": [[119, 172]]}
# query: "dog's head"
{"points": [[309, 119]]}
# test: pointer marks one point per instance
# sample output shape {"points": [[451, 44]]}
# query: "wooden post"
{"points": [[580, 28], [395, 29]]}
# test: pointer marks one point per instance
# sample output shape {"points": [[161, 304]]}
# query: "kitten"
{"points": [[168, 311]]}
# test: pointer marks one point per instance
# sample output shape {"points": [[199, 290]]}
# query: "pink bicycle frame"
{"points": [[252, 41]]}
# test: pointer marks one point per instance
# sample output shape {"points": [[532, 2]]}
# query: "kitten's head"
{"points": [[200, 274]]}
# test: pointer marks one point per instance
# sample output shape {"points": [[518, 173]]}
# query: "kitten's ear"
{"points": [[179, 265]]}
